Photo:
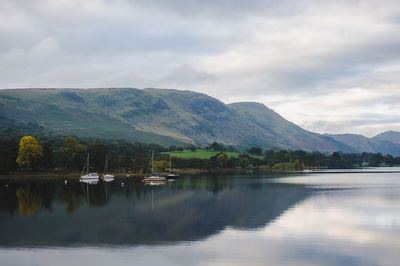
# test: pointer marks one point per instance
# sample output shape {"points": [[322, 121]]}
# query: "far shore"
{"points": [[186, 172], [76, 175]]}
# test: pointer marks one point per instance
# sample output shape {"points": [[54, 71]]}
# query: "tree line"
{"points": [[69, 155]]}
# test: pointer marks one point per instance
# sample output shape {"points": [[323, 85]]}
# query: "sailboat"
{"points": [[107, 177], [171, 174], [90, 178], [154, 178]]}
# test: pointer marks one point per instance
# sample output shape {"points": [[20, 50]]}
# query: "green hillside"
{"points": [[158, 115], [70, 112]]}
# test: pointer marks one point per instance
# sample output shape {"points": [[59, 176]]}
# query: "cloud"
{"points": [[282, 53], [183, 77]]}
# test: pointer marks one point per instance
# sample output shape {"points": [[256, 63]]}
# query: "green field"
{"points": [[284, 165], [203, 154]]}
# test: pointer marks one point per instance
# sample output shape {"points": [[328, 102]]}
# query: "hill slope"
{"points": [[160, 116], [391, 136], [69, 112], [265, 123], [384, 143]]}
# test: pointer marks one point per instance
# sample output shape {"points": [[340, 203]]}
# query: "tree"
{"points": [[296, 164], [98, 152], [192, 147], [269, 156], [8, 156], [244, 162], [180, 148], [139, 163], [282, 156], [47, 160], [73, 154], [222, 160], [388, 159], [161, 165], [215, 146], [230, 148], [29, 153], [172, 148], [126, 162], [255, 151]]}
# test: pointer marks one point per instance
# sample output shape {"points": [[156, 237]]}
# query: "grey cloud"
{"points": [[183, 77], [248, 50], [224, 9]]}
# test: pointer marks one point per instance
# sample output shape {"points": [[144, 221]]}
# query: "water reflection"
{"points": [[28, 201], [127, 211], [319, 219]]}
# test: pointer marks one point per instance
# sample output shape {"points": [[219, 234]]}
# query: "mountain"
{"points": [[68, 113], [385, 143], [391, 136], [266, 123], [161, 116]]}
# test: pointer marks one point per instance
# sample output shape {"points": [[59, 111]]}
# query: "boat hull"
{"points": [[108, 178], [154, 178], [89, 178], [172, 176]]}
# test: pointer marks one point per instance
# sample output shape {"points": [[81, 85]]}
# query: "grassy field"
{"points": [[203, 154], [284, 165], [199, 154]]}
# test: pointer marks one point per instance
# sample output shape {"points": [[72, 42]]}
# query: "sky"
{"points": [[328, 66]]}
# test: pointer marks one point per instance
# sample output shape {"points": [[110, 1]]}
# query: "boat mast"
{"points": [[88, 162], [105, 167], [152, 161], [170, 163]]}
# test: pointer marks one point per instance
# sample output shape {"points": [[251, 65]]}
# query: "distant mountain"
{"points": [[391, 136], [385, 143], [159, 116]]}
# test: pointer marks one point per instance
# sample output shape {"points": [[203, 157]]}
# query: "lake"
{"points": [[328, 218]]}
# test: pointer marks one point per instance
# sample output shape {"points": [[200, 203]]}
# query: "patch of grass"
{"points": [[261, 157], [286, 165], [205, 154], [199, 154]]}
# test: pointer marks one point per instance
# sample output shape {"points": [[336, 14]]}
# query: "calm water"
{"points": [[347, 218]]}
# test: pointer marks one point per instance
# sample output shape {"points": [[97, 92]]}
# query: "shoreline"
{"points": [[188, 171], [76, 175]]}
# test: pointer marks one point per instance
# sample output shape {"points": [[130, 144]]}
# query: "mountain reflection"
{"points": [[49, 213]]}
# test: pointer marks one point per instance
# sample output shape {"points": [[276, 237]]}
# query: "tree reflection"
{"points": [[73, 199], [188, 209], [29, 201]]}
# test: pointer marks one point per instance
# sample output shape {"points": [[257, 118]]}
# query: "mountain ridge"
{"points": [[384, 143], [164, 116]]}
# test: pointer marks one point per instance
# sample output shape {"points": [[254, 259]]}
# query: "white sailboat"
{"points": [[107, 177], [154, 178], [171, 174], [90, 178]]}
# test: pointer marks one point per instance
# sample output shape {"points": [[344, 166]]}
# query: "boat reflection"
{"points": [[108, 178], [155, 182], [89, 181]]}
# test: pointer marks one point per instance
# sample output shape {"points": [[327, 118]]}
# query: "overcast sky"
{"points": [[329, 66]]}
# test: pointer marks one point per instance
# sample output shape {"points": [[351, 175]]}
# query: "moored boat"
{"points": [[88, 177], [155, 177], [171, 174], [107, 177]]}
